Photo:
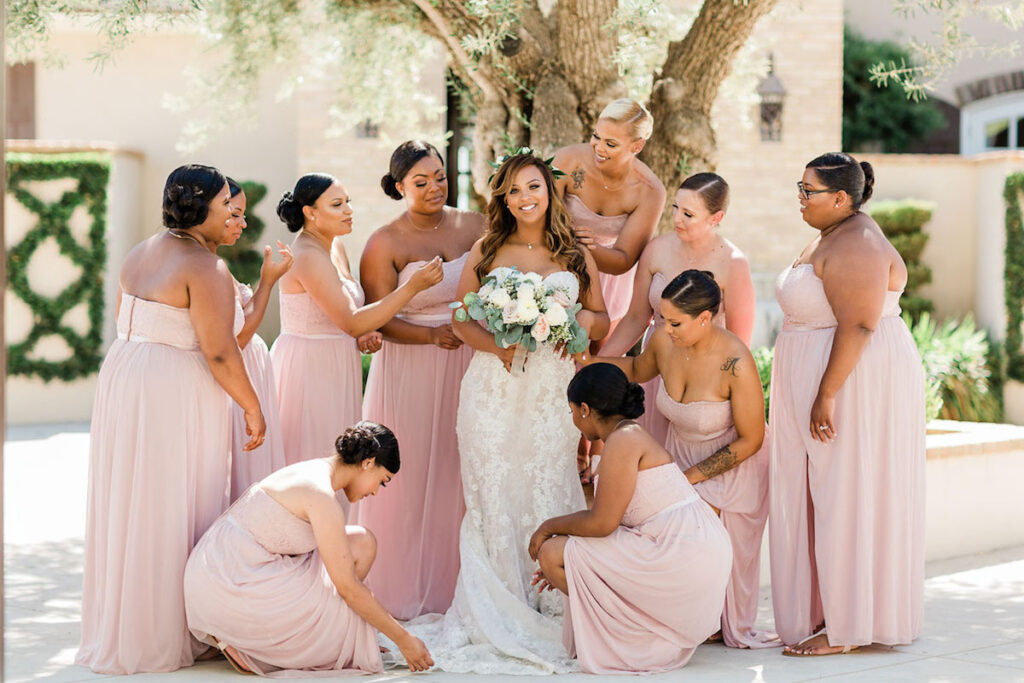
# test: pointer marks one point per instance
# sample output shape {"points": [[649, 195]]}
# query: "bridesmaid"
{"points": [[698, 209], [710, 392], [413, 386], [160, 441], [614, 199], [645, 569], [277, 581], [317, 364], [848, 431], [248, 468]]}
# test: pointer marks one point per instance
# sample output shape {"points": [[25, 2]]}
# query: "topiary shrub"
{"points": [[901, 221], [1013, 277]]}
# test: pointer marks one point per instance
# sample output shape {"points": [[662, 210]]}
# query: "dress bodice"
{"points": [[142, 320], [658, 284], [271, 524], [606, 228], [300, 314], [695, 421], [801, 295], [432, 303], [657, 489], [244, 293]]}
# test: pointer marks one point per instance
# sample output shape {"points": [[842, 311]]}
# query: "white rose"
{"points": [[499, 297], [534, 278], [525, 291], [555, 314], [486, 290], [541, 329], [508, 312], [526, 311]]}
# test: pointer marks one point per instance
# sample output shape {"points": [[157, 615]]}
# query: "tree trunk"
{"points": [[549, 80], [683, 141]]}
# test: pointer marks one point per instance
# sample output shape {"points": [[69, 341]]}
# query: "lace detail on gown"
{"points": [[517, 444]]}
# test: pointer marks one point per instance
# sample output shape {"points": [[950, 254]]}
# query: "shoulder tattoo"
{"points": [[730, 365], [577, 178]]}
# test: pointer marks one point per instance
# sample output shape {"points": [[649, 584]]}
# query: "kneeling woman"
{"points": [[277, 581], [645, 569]]}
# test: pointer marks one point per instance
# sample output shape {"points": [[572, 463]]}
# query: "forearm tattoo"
{"points": [[577, 178], [720, 461], [730, 366]]}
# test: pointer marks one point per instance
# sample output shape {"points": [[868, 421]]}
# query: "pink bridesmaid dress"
{"points": [[249, 467], [846, 518], [256, 582], [319, 377], [644, 597], [159, 461], [617, 289], [696, 430], [414, 390], [653, 420]]}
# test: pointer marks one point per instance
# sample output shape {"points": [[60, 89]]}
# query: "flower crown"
{"points": [[523, 150]]}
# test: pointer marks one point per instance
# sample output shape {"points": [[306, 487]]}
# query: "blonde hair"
{"points": [[632, 114]]}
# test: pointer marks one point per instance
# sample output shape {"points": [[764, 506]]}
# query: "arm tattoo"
{"points": [[730, 366], [577, 178], [720, 461]]}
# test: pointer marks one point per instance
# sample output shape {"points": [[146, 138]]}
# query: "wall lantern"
{"points": [[771, 93]]}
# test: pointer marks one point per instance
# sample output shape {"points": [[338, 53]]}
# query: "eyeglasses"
{"points": [[806, 194]]}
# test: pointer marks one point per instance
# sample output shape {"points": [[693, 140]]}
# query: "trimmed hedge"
{"points": [[1013, 277], [901, 221], [91, 172]]}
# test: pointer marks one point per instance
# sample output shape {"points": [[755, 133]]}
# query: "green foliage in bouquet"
{"points": [[474, 306]]}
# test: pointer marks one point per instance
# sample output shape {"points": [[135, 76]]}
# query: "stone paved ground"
{"points": [[974, 619]]}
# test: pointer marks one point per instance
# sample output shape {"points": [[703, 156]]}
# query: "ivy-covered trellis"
{"points": [[1014, 277], [90, 173]]}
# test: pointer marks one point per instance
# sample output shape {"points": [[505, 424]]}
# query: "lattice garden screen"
{"points": [[52, 188]]}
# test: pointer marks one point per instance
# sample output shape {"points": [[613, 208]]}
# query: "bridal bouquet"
{"points": [[520, 308]]}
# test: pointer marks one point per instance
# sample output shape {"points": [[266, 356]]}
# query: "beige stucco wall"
{"points": [[968, 232], [122, 104]]}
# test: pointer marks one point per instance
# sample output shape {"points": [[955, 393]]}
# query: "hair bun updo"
{"points": [[869, 181], [366, 440], [390, 186], [605, 388], [307, 190], [187, 195]]}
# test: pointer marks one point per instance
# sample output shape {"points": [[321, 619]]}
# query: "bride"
{"points": [[514, 438]]}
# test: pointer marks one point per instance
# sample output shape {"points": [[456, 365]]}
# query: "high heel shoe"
{"points": [[235, 664]]}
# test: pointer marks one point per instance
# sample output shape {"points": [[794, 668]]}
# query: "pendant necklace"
{"points": [[413, 224], [185, 236]]}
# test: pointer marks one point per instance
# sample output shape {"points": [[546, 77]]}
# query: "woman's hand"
{"points": [[271, 271], [427, 275], [585, 236], [416, 654], [822, 412], [255, 427], [537, 540], [506, 356], [370, 342], [443, 337], [541, 582]]}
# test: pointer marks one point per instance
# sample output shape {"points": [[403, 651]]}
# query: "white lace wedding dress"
{"points": [[518, 448]]}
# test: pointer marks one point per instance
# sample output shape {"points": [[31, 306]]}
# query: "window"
{"points": [[997, 134]]}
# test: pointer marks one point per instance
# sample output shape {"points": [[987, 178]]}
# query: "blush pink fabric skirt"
{"points": [[249, 467], [414, 390]]}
